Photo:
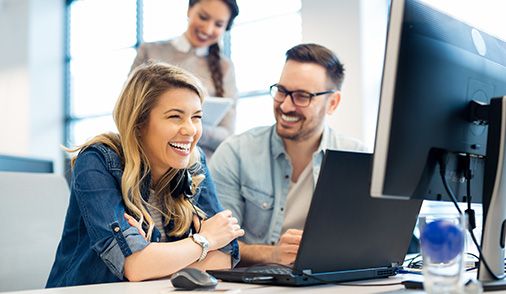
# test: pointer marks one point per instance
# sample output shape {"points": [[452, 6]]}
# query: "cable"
{"points": [[412, 260], [473, 255], [472, 218], [468, 174], [482, 259], [403, 271], [196, 212], [442, 172], [442, 169], [415, 264]]}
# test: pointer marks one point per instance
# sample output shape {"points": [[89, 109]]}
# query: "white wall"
{"points": [[355, 30], [374, 22], [31, 78], [14, 100]]}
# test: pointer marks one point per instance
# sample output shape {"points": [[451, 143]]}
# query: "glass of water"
{"points": [[442, 242]]}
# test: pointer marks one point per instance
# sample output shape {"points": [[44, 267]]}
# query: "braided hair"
{"points": [[214, 58]]}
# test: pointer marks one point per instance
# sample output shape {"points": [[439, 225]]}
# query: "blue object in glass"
{"points": [[442, 241]]}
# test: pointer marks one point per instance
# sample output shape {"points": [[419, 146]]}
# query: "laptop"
{"points": [[348, 235]]}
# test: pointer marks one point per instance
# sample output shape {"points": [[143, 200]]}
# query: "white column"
{"points": [[355, 30], [31, 78]]}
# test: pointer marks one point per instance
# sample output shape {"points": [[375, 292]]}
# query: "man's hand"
{"points": [[286, 249]]}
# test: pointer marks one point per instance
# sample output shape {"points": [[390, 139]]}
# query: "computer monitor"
{"points": [[435, 119], [12, 163]]}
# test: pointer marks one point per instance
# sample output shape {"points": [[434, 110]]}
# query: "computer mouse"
{"points": [[192, 278]]}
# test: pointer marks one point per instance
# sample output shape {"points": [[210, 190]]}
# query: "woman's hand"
{"points": [[220, 229], [134, 223]]}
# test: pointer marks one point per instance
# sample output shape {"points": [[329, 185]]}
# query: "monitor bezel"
{"points": [[382, 139]]}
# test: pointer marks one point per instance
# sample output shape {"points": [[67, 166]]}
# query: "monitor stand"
{"points": [[494, 197]]}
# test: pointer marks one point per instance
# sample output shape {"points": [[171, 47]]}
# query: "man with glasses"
{"points": [[267, 175]]}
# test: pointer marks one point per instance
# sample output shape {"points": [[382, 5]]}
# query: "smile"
{"points": [[181, 146], [290, 118], [202, 36]]}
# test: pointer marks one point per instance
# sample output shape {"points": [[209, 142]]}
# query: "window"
{"points": [[100, 52], [259, 41], [103, 35], [163, 19]]}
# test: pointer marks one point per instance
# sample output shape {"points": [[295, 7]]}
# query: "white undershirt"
{"points": [[298, 200], [154, 200]]}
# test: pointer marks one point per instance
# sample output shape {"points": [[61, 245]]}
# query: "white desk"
{"points": [[164, 286]]}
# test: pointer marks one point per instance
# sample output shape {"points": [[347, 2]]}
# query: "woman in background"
{"points": [[197, 51], [142, 203]]}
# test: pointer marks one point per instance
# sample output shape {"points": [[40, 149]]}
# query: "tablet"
{"points": [[214, 109]]}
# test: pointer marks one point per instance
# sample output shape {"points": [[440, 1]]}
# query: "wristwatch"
{"points": [[202, 241]]}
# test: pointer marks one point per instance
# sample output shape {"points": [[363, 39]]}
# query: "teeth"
{"points": [[290, 118], [181, 146], [202, 36]]}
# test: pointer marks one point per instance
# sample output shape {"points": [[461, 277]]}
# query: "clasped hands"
{"points": [[219, 230]]}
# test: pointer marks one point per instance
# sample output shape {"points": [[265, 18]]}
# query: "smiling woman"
{"points": [[142, 202], [172, 130]]}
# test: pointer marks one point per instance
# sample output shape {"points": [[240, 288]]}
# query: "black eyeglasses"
{"points": [[299, 97]]}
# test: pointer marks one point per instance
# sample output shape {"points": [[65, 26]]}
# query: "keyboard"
{"points": [[271, 269]]}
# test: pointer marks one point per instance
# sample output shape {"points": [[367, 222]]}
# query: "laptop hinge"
{"points": [[307, 272]]}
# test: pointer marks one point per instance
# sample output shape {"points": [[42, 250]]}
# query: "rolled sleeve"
{"points": [[123, 245], [232, 249]]}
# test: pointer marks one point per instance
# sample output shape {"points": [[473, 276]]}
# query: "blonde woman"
{"points": [[142, 203]]}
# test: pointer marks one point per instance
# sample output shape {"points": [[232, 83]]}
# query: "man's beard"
{"points": [[302, 133], [297, 135]]}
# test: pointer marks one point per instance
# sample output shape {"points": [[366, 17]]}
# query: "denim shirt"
{"points": [[252, 174], [96, 237]]}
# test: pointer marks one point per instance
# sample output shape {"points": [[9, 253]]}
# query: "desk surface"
{"points": [[164, 286]]}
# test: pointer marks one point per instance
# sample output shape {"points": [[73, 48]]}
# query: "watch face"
{"points": [[200, 239]]}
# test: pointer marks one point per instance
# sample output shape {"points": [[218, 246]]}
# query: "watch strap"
{"points": [[203, 244]]}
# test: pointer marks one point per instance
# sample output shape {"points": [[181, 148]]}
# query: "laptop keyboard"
{"points": [[272, 270]]}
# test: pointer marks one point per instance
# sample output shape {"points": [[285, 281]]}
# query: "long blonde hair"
{"points": [[138, 97]]}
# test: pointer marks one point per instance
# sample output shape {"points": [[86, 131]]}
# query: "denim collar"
{"points": [[182, 44]]}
